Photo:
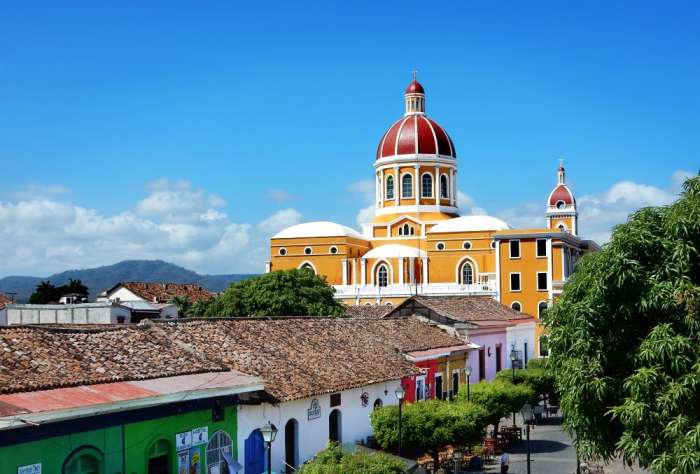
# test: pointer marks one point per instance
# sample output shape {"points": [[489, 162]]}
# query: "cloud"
{"points": [[38, 191], [175, 222], [365, 191], [279, 195], [467, 205], [600, 212]]}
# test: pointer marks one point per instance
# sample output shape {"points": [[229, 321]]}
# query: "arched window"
{"points": [[427, 185], [87, 460], [407, 186], [390, 187], [444, 192], [378, 403], [540, 308], [335, 426], [562, 227], [516, 306], [467, 274], [382, 275], [308, 266], [159, 457], [219, 445]]}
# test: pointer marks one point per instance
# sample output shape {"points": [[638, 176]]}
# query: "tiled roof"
{"points": [[294, 357], [165, 292], [4, 300], [367, 311], [297, 358], [474, 309], [38, 358]]}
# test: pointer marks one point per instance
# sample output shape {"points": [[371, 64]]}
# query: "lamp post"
{"points": [[513, 358], [468, 373], [528, 414], [400, 393], [269, 432]]}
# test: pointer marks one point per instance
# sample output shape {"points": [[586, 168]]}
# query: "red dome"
{"points": [[561, 193], [415, 88], [416, 134]]}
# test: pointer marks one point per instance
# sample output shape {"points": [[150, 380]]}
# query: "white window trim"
{"points": [[539, 313], [444, 247], [493, 244], [447, 179], [510, 281], [467, 242], [432, 186], [413, 187], [537, 247], [330, 250], [375, 268], [458, 268], [537, 282], [307, 262], [519, 304], [386, 188], [510, 249], [425, 387], [282, 249], [311, 251]]}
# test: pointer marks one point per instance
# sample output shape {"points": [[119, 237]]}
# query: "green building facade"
{"points": [[184, 438]]}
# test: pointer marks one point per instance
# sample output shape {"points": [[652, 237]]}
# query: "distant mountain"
{"points": [[101, 278]]}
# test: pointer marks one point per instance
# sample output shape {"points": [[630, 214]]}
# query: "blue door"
{"points": [[255, 453]]}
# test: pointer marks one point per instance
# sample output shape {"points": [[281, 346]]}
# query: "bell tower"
{"points": [[561, 205]]}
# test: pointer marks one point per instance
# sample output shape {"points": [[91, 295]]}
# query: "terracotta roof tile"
{"points": [[367, 311], [475, 309], [165, 292], [4, 300]]}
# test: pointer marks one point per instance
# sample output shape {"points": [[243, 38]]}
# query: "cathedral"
{"points": [[418, 244]]}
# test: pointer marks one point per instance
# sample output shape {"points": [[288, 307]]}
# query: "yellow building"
{"points": [[418, 244]]}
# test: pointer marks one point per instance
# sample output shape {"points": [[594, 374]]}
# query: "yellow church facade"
{"points": [[418, 244]]}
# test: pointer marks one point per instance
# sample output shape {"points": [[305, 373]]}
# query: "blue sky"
{"points": [[191, 131]]}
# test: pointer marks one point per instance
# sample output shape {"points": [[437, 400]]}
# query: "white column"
{"points": [[382, 190], [416, 184], [425, 271], [411, 269], [451, 189], [454, 188], [436, 186], [377, 197], [345, 271], [363, 271], [397, 185], [268, 267], [400, 270]]}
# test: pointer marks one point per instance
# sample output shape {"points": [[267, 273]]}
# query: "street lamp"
{"points": [[400, 393], [269, 432], [528, 414], [468, 373]]}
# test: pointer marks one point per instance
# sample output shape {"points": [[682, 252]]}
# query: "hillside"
{"points": [[101, 278]]}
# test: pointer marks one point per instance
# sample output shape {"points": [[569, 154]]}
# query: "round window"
{"points": [[283, 251], [334, 250], [561, 204], [307, 250], [440, 246], [515, 306], [493, 244], [467, 245]]}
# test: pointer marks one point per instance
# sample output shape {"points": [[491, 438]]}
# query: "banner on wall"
{"points": [[183, 462], [30, 469], [195, 461]]}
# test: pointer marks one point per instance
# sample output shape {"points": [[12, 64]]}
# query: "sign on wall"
{"points": [[365, 399], [30, 469], [314, 410], [183, 441], [183, 462], [200, 436]]}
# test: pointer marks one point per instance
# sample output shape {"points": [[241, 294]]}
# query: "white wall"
{"points": [[66, 314], [122, 294], [3, 316], [313, 434], [520, 334]]}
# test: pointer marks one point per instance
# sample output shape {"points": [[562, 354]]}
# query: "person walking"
{"points": [[505, 461]]}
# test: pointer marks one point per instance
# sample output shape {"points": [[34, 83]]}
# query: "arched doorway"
{"points": [[335, 428], [86, 460], [159, 457], [291, 445], [218, 447], [254, 453]]}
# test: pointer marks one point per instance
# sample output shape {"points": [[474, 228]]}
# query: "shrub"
{"points": [[334, 461], [498, 399], [539, 380]]}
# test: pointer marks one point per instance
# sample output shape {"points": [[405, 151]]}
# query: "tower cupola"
{"points": [[561, 206], [414, 97]]}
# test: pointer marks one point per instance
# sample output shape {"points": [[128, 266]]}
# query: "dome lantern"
{"points": [[414, 97]]}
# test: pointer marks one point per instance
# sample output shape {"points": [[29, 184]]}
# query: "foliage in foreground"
{"points": [[430, 425], [334, 461], [498, 399], [279, 293], [624, 340], [540, 381]]}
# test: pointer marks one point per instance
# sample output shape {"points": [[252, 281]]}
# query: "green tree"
{"points": [[73, 286], [624, 339], [184, 306], [541, 381], [498, 399], [334, 461], [429, 426], [280, 293], [45, 293]]}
